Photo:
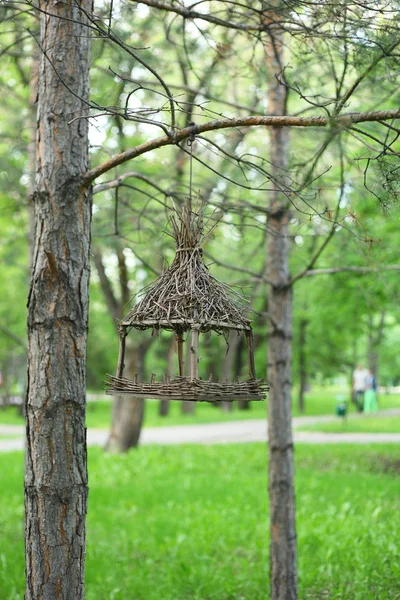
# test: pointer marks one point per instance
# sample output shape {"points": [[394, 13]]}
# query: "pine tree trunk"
{"points": [[128, 411], [56, 468], [281, 465]]}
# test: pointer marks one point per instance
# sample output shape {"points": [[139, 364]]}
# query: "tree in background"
{"points": [[128, 411]]}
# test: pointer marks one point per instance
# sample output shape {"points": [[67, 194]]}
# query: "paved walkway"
{"points": [[252, 430]]}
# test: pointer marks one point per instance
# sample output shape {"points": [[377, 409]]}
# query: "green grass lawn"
{"points": [[320, 401], [364, 424], [191, 523]]}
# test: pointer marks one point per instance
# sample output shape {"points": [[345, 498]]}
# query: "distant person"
{"points": [[360, 378], [370, 398]]}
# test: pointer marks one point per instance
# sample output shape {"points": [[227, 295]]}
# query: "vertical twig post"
{"points": [[179, 343], [250, 346], [194, 351], [121, 354]]}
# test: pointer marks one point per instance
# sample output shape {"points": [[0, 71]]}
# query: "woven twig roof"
{"points": [[187, 294]]}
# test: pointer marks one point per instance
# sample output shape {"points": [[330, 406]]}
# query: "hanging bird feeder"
{"points": [[189, 301]]}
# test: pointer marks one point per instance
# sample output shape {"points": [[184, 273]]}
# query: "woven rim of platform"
{"points": [[186, 294], [183, 388]]}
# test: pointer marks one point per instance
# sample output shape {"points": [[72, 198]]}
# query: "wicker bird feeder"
{"points": [[189, 301]]}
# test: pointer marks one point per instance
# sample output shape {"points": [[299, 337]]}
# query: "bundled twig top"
{"points": [[186, 294]]}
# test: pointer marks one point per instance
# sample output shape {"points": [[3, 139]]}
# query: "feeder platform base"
{"points": [[185, 389]]}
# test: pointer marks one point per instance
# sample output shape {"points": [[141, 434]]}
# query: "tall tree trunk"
{"points": [[281, 465], [302, 364], [128, 411], [56, 467]]}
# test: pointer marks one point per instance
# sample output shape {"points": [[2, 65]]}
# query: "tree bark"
{"points": [[281, 464], [128, 411], [56, 466], [302, 364]]}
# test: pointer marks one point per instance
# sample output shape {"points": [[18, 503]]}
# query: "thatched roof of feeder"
{"points": [[186, 294]]}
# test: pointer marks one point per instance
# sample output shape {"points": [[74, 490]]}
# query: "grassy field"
{"points": [[320, 401], [191, 523], [364, 424]]}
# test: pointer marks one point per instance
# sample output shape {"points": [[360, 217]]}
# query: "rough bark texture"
{"points": [[281, 468], [302, 364], [128, 411], [56, 469]]}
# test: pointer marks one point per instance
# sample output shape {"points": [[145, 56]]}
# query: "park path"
{"points": [[251, 430]]}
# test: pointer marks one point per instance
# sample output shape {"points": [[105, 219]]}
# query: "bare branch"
{"points": [[332, 229], [231, 267], [341, 122], [112, 303], [363, 270], [188, 13], [15, 338], [123, 278]]}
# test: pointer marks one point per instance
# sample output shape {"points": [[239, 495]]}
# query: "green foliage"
{"points": [[192, 522]]}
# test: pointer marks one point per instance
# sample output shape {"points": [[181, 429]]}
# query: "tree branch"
{"points": [[123, 278], [232, 267], [17, 340], [333, 226], [111, 301], [363, 270], [188, 13], [342, 122]]}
